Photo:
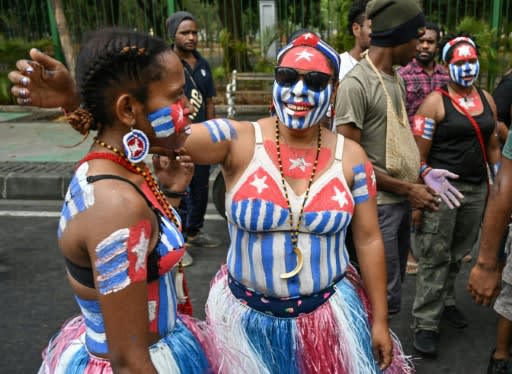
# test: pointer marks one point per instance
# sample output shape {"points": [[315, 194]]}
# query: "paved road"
{"points": [[35, 298]]}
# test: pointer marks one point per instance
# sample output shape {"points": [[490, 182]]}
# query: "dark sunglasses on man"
{"points": [[314, 80]]}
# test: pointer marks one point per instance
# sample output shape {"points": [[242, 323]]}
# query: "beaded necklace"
{"points": [[146, 174], [295, 232]]}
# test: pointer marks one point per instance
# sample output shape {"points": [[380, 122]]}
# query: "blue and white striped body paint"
{"points": [[365, 183], [301, 98], [261, 248], [423, 126], [122, 258], [220, 130], [79, 197]]}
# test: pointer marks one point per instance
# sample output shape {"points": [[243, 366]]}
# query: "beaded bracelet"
{"points": [[424, 169]]}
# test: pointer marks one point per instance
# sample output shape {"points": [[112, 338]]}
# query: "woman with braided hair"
{"points": [[288, 300], [119, 236]]}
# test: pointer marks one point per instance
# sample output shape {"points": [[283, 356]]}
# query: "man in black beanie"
{"points": [[370, 109], [200, 90]]}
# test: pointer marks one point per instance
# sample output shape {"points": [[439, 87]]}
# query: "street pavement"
{"points": [[35, 298]]}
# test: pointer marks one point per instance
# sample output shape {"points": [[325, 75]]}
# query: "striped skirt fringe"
{"points": [[181, 351], [334, 338]]}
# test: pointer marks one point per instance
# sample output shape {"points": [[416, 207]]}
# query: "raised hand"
{"points": [[174, 174], [437, 180], [43, 82]]}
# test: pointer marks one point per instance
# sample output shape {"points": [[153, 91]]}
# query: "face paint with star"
{"points": [[169, 120], [464, 66], [298, 106]]}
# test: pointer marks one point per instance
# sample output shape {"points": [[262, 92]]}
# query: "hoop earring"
{"points": [[136, 145]]}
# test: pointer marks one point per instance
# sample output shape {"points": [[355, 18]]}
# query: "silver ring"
{"points": [[26, 100], [178, 158], [22, 92], [24, 81]]}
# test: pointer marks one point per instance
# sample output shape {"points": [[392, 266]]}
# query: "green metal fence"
{"points": [[31, 19]]}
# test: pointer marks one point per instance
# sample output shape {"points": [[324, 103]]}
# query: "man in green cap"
{"points": [[370, 109]]}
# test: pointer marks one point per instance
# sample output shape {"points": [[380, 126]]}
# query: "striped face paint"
{"points": [[169, 120], [122, 258], [220, 130], [299, 107], [365, 184], [464, 64], [423, 126]]}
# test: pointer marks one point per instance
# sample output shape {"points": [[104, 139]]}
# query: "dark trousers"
{"points": [[193, 206]]}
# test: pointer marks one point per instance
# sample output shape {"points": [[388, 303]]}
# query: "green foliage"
{"points": [[494, 55], [11, 51], [219, 74], [486, 39], [342, 40]]}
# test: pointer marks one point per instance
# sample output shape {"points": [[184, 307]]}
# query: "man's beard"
{"points": [[425, 60]]}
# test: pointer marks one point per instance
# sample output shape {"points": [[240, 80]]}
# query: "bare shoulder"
{"points": [[353, 151], [432, 106], [118, 204]]}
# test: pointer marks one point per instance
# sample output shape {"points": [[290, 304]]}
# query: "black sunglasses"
{"points": [[315, 80]]}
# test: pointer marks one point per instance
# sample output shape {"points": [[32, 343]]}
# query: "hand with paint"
{"points": [[43, 82], [437, 179]]}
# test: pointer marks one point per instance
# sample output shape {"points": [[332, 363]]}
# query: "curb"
{"points": [[35, 180]]}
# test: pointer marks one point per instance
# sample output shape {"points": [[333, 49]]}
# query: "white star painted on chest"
{"points": [[340, 197], [259, 183], [299, 163], [140, 250], [303, 55], [467, 103]]}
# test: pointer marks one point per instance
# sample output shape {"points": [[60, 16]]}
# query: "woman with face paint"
{"points": [[288, 300], [119, 236], [455, 129]]}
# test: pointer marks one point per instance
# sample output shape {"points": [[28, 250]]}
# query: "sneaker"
{"points": [[187, 259], [454, 317], [202, 239], [426, 342], [498, 366]]}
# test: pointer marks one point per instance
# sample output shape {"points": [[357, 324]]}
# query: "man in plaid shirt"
{"points": [[423, 75]]}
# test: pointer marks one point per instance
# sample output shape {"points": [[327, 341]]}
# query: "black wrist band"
{"points": [[174, 194]]}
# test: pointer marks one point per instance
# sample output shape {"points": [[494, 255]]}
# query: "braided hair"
{"points": [[113, 59]]}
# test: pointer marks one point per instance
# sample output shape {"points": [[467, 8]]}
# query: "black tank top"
{"points": [[455, 146]]}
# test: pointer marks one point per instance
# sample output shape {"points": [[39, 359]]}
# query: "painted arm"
{"points": [[120, 279], [369, 246]]}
